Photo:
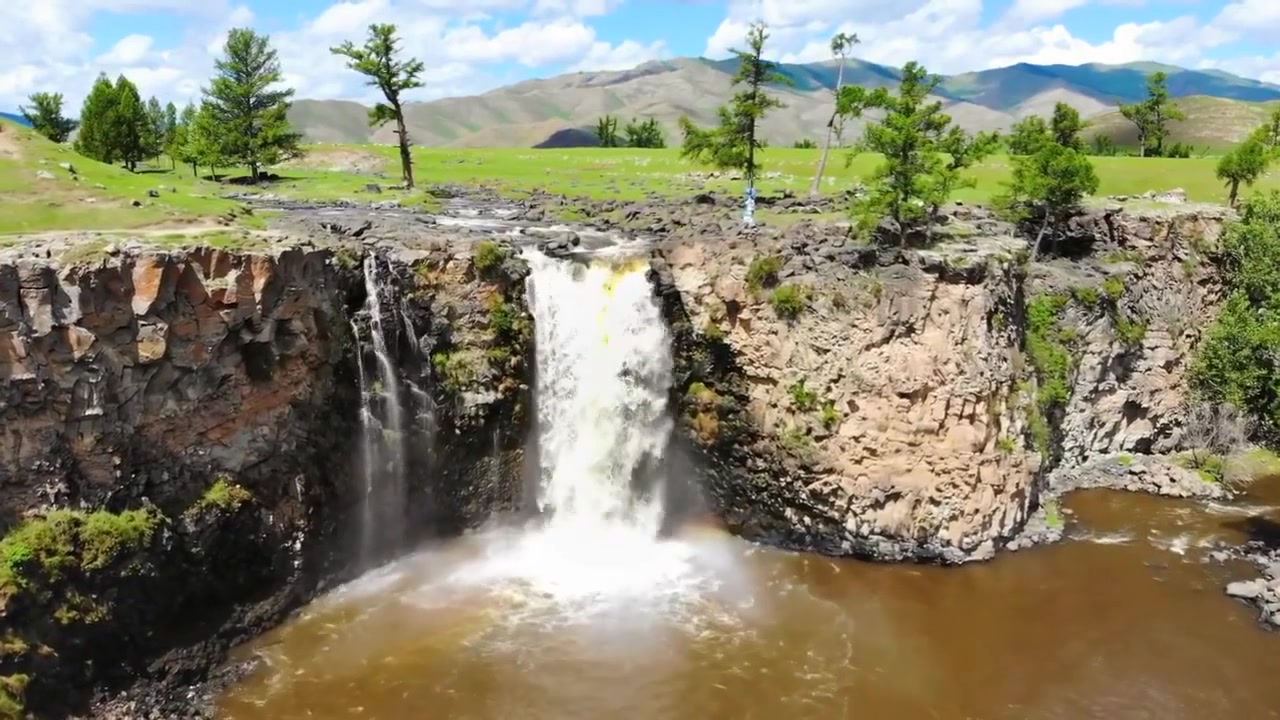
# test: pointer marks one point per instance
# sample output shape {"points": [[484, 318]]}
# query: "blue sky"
{"points": [[168, 46]]}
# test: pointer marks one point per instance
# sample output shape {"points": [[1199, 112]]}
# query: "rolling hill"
{"points": [[537, 112], [16, 118]]}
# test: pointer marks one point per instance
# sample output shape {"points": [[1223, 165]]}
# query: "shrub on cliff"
{"points": [[789, 301], [1237, 362], [1048, 186]]}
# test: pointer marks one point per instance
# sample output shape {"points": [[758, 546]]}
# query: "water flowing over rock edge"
{"points": [[472, 349]]}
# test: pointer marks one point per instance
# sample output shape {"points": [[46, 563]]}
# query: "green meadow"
{"points": [[38, 194]]}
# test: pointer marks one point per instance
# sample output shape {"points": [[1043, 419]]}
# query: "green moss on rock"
{"points": [[225, 495], [49, 549]]}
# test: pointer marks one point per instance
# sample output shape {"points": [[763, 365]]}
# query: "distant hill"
{"points": [[13, 117], [1211, 122], [539, 112]]}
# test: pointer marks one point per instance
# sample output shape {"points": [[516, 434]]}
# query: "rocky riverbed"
{"points": [[833, 395]]}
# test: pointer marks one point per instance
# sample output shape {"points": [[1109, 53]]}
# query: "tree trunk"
{"points": [[1231, 197], [1035, 249], [826, 145], [406, 160], [1142, 143], [253, 172]]}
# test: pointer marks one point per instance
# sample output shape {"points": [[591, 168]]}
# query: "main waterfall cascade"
{"points": [[603, 371], [603, 374]]}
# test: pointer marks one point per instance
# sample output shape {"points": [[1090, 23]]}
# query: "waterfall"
{"points": [[604, 369], [382, 438]]}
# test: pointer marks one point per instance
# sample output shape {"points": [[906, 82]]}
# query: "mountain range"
{"points": [[559, 111], [14, 117]]}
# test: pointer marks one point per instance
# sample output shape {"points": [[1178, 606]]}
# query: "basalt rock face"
{"points": [[129, 387], [1138, 302], [179, 443], [902, 404], [880, 420], [470, 338]]}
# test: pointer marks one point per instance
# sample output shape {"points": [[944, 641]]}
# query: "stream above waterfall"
{"points": [[596, 609]]}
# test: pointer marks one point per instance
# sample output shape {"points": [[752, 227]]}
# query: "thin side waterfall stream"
{"points": [[590, 612], [383, 433]]}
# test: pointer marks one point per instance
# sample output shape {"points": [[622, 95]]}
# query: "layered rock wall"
{"points": [[911, 404], [179, 441]]}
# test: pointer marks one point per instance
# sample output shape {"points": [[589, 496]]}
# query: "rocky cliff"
{"points": [[923, 404], [177, 466], [181, 427]]}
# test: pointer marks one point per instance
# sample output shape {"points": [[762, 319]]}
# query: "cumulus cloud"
{"points": [[951, 36], [471, 47]]}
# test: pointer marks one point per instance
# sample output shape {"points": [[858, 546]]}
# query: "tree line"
{"points": [[241, 118], [636, 133], [925, 153]]}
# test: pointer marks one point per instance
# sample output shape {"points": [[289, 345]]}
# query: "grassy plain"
{"points": [[38, 194]]}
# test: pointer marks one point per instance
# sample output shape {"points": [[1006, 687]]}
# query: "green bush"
{"points": [[1047, 349], [63, 543], [489, 255], [803, 398], [1113, 287], [830, 416], [224, 494], [763, 272], [789, 301], [1237, 362]]}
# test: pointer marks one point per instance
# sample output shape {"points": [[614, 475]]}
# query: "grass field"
{"points": [[38, 194]]}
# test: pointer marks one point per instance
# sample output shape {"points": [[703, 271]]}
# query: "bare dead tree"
{"points": [[1215, 434]]}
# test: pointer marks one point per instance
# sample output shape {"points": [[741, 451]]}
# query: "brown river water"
{"points": [[1126, 619]]}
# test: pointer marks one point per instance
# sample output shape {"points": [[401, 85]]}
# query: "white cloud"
{"points": [[624, 55], [128, 50], [949, 36], [461, 43]]}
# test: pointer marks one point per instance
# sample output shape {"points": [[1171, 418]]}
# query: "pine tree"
{"points": [[840, 46], [606, 131], [734, 143], [248, 115], [913, 181], [1242, 166], [1048, 185], [208, 142], [377, 61], [1067, 127], [647, 134], [155, 129], [45, 116], [182, 149], [1151, 116], [170, 131], [129, 125], [96, 120]]}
